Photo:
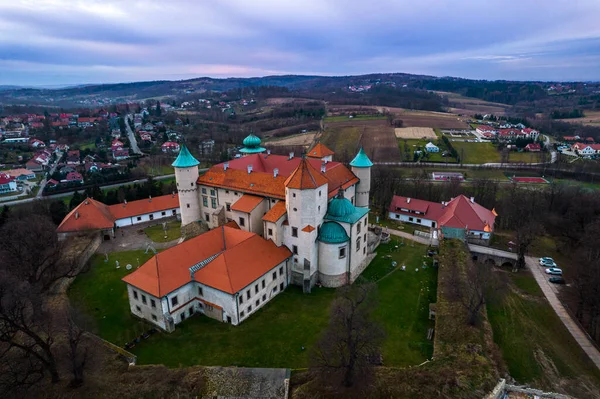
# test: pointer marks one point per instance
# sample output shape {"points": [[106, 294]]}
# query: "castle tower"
{"points": [[252, 145], [186, 174], [306, 196], [361, 167]]}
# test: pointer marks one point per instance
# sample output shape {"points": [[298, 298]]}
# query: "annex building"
{"points": [[460, 218]]}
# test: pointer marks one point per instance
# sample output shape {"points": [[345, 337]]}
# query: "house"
{"points": [[321, 152], [35, 143], [211, 274], [116, 145], [510, 134], [430, 147], [529, 133], [67, 169], [8, 184], [460, 218], [20, 174], [73, 177], [170, 146], [52, 183], [120, 155], [533, 147], [85, 122], [73, 157], [483, 129], [207, 146], [317, 209], [34, 166], [585, 149], [571, 138], [148, 127], [445, 176], [14, 140], [92, 215], [145, 136]]}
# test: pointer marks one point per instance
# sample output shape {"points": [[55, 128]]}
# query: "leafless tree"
{"points": [[345, 352], [472, 285], [31, 252], [79, 345]]}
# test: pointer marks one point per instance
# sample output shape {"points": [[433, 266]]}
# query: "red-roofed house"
{"points": [[8, 184], [460, 218], [533, 147], [94, 215], [226, 274], [170, 146], [36, 143], [73, 177]]}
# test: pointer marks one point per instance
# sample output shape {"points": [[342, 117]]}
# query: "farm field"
{"points": [[415, 133], [591, 118], [305, 139], [376, 136], [276, 334], [407, 148], [535, 345], [467, 105], [346, 118], [480, 153]]}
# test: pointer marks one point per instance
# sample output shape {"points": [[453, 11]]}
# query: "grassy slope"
{"points": [[531, 337], [157, 234], [341, 139], [275, 335]]}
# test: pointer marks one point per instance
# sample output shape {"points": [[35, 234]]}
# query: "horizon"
{"points": [[68, 43]]}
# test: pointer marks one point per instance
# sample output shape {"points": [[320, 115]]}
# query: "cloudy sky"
{"points": [[57, 42]]}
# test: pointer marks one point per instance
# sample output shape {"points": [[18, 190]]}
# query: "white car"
{"points": [[554, 270]]}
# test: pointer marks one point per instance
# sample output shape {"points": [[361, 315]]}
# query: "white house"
{"points": [[8, 184], [226, 274], [430, 147]]}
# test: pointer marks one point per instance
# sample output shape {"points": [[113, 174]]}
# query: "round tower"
{"points": [[361, 167], [186, 175]]}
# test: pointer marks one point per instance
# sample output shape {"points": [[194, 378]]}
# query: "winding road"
{"points": [[131, 135]]}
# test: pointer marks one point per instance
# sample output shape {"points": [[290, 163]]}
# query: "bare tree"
{"points": [[31, 252], [79, 346], [344, 354]]}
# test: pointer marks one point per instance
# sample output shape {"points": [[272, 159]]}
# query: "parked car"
{"points": [[557, 280], [548, 263], [546, 259], [554, 270]]}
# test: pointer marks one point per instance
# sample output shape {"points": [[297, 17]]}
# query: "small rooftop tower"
{"points": [[186, 175], [252, 145], [361, 167]]}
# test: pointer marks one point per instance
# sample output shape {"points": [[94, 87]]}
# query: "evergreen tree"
{"points": [[158, 110], [76, 200]]}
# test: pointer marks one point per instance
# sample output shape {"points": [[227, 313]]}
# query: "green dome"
{"points": [[252, 145], [252, 141], [340, 207], [332, 233], [361, 160], [185, 159]]}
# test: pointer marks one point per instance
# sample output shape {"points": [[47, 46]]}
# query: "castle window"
{"points": [[153, 303], [154, 318], [295, 249], [151, 217], [275, 289], [228, 206], [226, 191], [135, 295], [203, 190], [213, 192], [264, 298], [241, 299], [364, 250], [358, 228], [257, 302], [319, 193], [241, 314], [207, 217], [163, 213], [256, 289], [270, 231], [342, 253], [263, 283], [174, 212], [188, 205], [175, 301], [295, 209], [274, 276], [249, 309], [319, 208], [139, 218], [281, 287], [213, 203], [294, 195], [138, 308], [200, 291], [242, 221], [248, 294], [357, 244], [192, 184], [281, 270], [143, 299], [294, 230]]}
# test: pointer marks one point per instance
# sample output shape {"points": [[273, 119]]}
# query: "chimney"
{"points": [[249, 168], [291, 155], [173, 194], [150, 198], [226, 166], [275, 172], [268, 152], [408, 200], [76, 215], [472, 200], [87, 202], [323, 167], [125, 202]]}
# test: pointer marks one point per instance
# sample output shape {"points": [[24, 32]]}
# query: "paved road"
{"points": [[548, 145], [131, 136], [45, 181], [62, 195], [550, 291]]}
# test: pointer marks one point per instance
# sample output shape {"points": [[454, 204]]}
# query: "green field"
{"points": [[419, 144], [479, 153], [345, 118], [274, 335], [342, 139], [157, 233], [536, 346]]}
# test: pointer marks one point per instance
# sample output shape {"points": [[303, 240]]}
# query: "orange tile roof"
{"points": [[275, 213], [230, 270], [140, 207], [308, 228], [319, 151], [247, 203], [305, 177], [255, 183], [89, 215]]}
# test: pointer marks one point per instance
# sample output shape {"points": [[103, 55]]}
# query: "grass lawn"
{"points": [[531, 337], [476, 153], [273, 336], [89, 145], [342, 139], [345, 118], [419, 144], [157, 234]]}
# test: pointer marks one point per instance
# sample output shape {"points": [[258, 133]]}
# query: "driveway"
{"points": [[550, 291], [431, 241]]}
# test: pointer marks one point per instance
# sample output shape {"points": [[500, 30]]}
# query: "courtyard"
{"points": [[279, 335]]}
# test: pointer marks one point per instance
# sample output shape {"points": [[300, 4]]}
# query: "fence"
{"points": [[422, 234]]}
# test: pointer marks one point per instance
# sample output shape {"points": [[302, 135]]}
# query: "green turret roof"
{"points": [[361, 160], [332, 233], [341, 209], [185, 159], [252, 145]]}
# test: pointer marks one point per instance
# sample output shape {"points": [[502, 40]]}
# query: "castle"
{"points": [[314, 206]]}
